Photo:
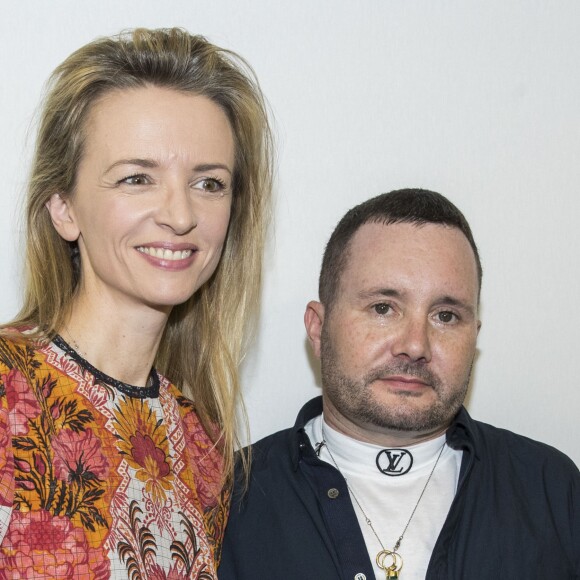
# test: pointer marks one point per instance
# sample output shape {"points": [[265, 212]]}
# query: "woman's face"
{"points": [[151, 204]]}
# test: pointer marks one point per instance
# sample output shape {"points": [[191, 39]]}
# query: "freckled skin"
{"points": [[398, 344]]}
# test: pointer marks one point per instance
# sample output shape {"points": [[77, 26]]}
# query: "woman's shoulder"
{"points": [[17, 366], [185, 404], [18, 337], [11, 335], [24, 372], [15, 347], [204, 432]]}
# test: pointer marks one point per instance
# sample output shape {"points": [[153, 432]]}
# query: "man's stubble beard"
{"points": [[355, 400]]}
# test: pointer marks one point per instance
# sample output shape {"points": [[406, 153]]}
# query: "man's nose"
{"points": [[413, 339]]}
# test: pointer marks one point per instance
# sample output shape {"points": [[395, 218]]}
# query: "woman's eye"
{"points": [[211, 185], [382, 308], [139, 179], [446, 317]]}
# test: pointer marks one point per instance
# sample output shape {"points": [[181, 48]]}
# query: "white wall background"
{"points": [[478, 100]]}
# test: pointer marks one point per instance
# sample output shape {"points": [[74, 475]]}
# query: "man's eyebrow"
{"points": [[379, 292], [452, 301]]}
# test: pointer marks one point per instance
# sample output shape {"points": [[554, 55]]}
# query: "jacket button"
{"points": [[360, 576], [332, 493]]}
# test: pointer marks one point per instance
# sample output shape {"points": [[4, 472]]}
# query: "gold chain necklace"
{"points": [[390, 561]]}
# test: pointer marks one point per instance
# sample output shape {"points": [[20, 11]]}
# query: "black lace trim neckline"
{"points": [[151, 391]]}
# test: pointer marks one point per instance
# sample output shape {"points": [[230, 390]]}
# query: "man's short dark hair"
{"points": [[414, 206]]}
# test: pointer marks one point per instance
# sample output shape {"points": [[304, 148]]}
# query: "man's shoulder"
{"points": [[271, 472], [273, 448], [520, 451], [284, 446]]}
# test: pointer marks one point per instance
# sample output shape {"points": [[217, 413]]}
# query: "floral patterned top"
{"points": [[100, 483]]}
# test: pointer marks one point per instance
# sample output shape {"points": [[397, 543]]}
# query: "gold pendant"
{"points": [[390, 562]]}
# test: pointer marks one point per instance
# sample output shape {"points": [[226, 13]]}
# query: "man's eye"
{"points": [[446, 317], [382, 308]]}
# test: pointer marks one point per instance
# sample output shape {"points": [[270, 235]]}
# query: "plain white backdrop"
{"points": [[477, 100]]}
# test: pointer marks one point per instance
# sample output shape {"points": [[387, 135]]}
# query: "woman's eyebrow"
{"points": [[211, 167], [151, 163], [147, 163]]}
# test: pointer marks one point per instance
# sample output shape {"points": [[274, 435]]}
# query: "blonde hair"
{"points": [[204, 339]]}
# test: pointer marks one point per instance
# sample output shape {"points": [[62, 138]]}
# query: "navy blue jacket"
{"points": [[516, 514]]}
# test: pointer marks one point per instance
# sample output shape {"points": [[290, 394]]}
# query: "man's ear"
{"points": [[62, 217], [313, 321]]}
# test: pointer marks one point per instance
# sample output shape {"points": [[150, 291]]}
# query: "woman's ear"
{"points": [[62, 217]]}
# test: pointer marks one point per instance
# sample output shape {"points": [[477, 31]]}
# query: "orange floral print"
{"points": [[45, 546], [143, 442], [98, 483]]}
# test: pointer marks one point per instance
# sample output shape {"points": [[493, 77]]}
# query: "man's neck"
{"points": [[383, 437]]}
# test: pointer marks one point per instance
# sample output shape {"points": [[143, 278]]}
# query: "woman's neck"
{"points": [[120, 342]]}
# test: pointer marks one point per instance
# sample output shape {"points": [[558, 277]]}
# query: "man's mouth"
{"points": [[411, 380]]}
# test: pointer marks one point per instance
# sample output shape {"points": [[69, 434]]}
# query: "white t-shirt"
{"points": [[388, 497]]}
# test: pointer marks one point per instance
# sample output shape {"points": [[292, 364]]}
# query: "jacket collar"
{"points": [[462, 433]]}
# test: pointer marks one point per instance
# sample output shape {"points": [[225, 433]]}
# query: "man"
{"points": [[387, 475]]}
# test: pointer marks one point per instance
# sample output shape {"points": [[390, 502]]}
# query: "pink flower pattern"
{"points": [[206, 461], [22, 402], [76, 454], [45, 546], [81, 497], [6, 460], [148, 456]]}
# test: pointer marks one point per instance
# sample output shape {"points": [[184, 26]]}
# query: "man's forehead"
{"points": [[414, 250]]}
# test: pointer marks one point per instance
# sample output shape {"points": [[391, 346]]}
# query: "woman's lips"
{"points": [[168, 256]]}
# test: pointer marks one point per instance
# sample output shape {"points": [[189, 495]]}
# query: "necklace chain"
{"points": [[75, 343], [396, 557], [151, 388]]}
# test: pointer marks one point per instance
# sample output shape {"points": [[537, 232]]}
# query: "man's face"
{"points": [[398, 344]]}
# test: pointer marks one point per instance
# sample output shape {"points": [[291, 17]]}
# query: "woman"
{"points": [[145, 215]]}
